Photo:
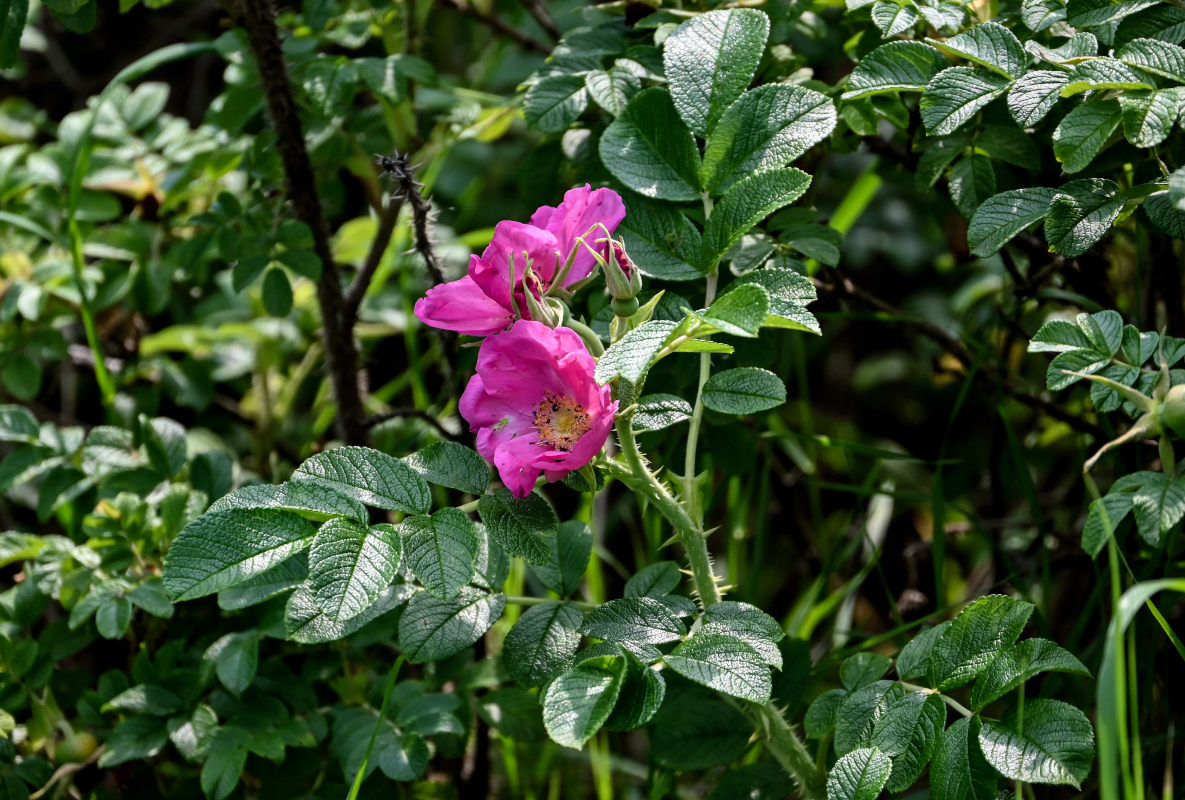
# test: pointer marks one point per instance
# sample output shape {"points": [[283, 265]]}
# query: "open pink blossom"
{"points": [[535, 406], [583, 208], [485, 301]]}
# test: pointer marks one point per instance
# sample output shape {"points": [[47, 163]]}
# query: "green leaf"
{"points": [[1083, 133], [859, 775], [453, 465], [744, 390], [235, 657], [1058, 376], [286, 575], [895, 67], [630, 356], [975, 638], [958, 770], [146, 698], [431, 629], [13, 15], [662, 242], [857, 715], [152, 597], [1148, 117], [650, 150], [1100, 13], [654, 580], [696, 730], [217, 551], [944, 17], [863, 669], [403, 758], [306, 623], [350, 566], [767, 128], [820, 716], [1101, 74], [955, 94], [990, 45], [642, 693], [913, 662], [1017, 664], [894, 16], [1081, 213], [542, 643], [1177, 189], [972, 180], [553, 103], [747, 203], [521, 527], [134, 739], [1002, 216], [723, 663], [1039, 15], [1164, 215], [568, 554], [749, 624], [1160, 58], [634, 619], [612, 89], [579, 702], [739, 311], [789, 293], [311, 500], [1163, 22], [710, 60], [493, 565], [1035, 95], [1101, 332], [658, 411], [224, 762], [908, 733], [17, 424], [21, 376], [1056, 745], [1158, 504], [302, 262], [370, 477], [441, 550], [277, 293]]}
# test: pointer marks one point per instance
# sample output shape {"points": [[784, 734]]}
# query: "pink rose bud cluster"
{"points": [[533, 403]]}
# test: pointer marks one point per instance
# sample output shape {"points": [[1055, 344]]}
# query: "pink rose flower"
{"points": [[535, 406], [484, 301]]}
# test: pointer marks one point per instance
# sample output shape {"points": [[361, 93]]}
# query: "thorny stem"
{"points": [[690, 491], [780, 739], [259, 19], [691, 536]]}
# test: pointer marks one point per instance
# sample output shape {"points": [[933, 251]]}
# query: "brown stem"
{"points": [[498, 26], [361, 282], [539, 12], [259, 19]]}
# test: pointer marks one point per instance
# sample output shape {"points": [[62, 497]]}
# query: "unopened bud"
{"points": [[1172, 410], [621, 275], [538, 309]]}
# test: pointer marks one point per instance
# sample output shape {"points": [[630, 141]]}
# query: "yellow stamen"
{"points": [[560, 421]]}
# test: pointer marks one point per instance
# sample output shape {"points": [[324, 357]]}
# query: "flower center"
{"points": [[560, 421]]}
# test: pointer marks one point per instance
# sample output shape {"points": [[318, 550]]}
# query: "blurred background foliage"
{"points": [[919, 463]]}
